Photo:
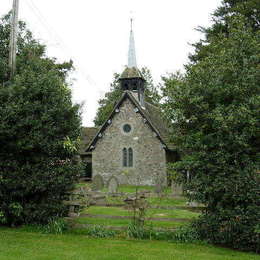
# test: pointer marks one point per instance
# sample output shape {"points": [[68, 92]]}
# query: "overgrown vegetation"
{"points": [[39, 133], [214, 108]]}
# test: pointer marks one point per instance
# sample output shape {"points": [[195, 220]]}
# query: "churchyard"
{"points": [[117, 206], [99, 230]]}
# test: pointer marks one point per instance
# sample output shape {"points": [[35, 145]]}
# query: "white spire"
{"points": [[131, 51]]}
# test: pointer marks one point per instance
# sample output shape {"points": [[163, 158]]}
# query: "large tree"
{"points": [[214, 109], [38, 132], [107, 103], [249, 9]]}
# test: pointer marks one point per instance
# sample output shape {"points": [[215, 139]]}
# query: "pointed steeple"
{"points": [[131, 79], [131, 51]]}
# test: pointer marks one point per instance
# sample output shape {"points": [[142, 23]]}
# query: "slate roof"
{"points": [[155, 115], [87, 134], [151, 113]]}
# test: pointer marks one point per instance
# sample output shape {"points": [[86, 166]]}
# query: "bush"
{"points": [[39, 133], [236, 231], [55, 226], [99, 232], [183, 234], [138, 231]]}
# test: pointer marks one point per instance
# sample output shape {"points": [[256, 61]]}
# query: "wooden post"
{"points": [[13, 38]]}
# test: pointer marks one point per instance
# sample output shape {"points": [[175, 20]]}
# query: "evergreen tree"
{"points": [[39, 132], [214, 109], [249, 9]]}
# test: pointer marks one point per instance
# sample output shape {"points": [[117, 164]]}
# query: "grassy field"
{"points": [[16, 244], [158, 213]]}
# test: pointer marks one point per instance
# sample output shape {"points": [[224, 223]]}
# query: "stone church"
{"points": [[133, 143]]}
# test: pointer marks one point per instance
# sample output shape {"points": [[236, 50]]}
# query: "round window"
{"points": [[127, 128]]}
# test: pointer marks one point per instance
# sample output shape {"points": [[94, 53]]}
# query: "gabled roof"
{"points": [[152, 115]]}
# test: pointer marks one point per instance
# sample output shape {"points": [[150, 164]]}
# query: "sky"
{"points": [[95, 35]]}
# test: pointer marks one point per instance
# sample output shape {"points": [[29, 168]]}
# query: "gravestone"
{"points": [[113, 185], [193, 204], [158, 188], [177, 189], [97, 183]]}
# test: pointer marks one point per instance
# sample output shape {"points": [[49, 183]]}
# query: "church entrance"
{"points": [[88, 171]]}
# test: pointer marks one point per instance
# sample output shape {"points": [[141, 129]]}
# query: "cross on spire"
{"points": [[131, 51]]}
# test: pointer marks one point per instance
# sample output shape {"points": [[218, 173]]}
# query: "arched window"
{"points": [[124, 157], [130, 157]]}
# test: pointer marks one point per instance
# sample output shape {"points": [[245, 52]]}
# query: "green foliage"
{"points": [[54, 226], [38, 133], [214, 110], [139, 231], [186, 234], [107, 103], [249, 9], [99, 231], [182, 234]]}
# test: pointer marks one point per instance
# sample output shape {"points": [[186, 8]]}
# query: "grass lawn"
{"points": [[125, 222], [132, 189], [16, 244], [167, 201], [155, 201], [156, 213]]}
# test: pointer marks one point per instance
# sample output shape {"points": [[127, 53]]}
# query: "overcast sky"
{"points": [[95, 34]]}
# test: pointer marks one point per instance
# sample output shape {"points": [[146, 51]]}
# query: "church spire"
{"points": [[131, 79], [131, 51]]}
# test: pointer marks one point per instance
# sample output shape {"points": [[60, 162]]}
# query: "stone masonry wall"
{"points": [[149, 157]]}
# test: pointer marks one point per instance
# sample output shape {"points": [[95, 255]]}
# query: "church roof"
{"points": [[87, 134], [130, 73], [154, 115], [151, 113]]}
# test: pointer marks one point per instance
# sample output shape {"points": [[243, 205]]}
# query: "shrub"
{"points": [[55, 226], [99, 232], [238, 231], [39, 133]]}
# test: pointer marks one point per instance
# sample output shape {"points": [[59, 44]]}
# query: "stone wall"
{"points": [[149, 158]]}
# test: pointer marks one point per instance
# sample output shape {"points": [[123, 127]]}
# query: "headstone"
{"points": [[177, 189], [158, 188], [98, 199], [97, 183], [193, 204], [113, 185]]}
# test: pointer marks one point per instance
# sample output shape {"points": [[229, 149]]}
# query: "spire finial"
{"points": [[131, 51], [131, 20]]}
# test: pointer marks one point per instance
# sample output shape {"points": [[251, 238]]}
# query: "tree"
{"points": [[107, 103], [214, 110], [249, 9], [39, 132]]}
